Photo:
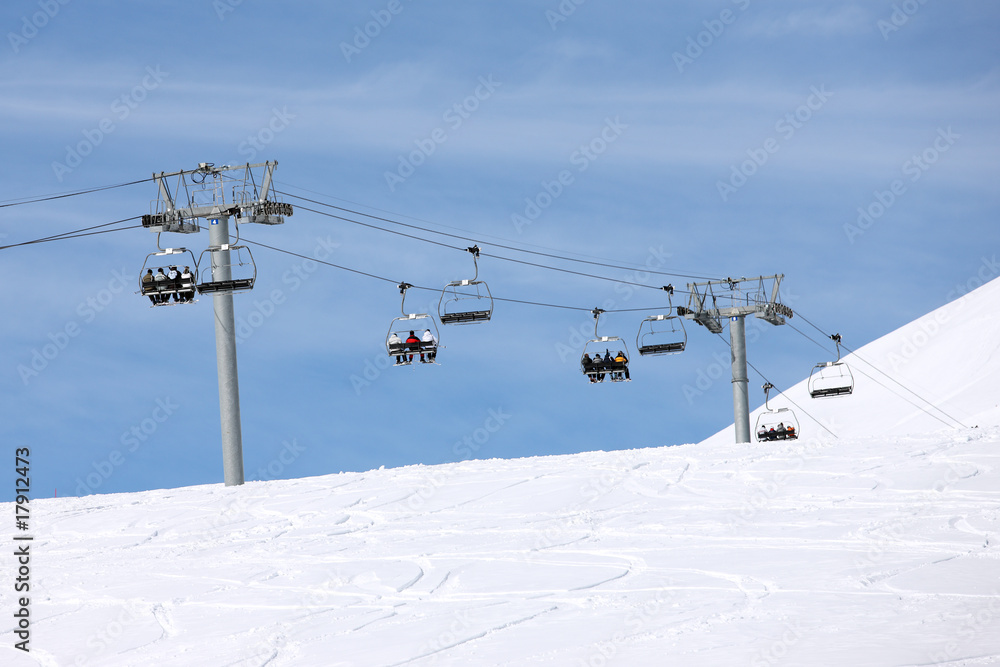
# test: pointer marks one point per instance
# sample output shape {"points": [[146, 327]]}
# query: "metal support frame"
{"points": [[247, 200], [205, 192]]}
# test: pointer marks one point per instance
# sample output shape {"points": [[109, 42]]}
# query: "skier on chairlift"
{"points": [[412, 344], [430, 344], [396, 343], [174, 276], [622, 362], [147, 286], [587, 364], [187, 278], [599, 365], [160, 280]]}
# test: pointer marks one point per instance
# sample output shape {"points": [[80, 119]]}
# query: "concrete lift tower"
{"points": [[215, 194], [739, 297]]}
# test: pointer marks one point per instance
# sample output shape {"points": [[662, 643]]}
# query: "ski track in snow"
{"points": [[713, 556]]}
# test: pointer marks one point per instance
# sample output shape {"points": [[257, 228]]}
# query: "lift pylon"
{"points": [[713, 302], [216, 195]]}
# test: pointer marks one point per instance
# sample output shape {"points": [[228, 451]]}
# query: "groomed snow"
{"points": [[862, 552], [875, 549]]}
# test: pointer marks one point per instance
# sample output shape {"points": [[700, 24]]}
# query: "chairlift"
{"points": [[779, 424], [662, 334], [405, 340], [831, 378], [597, 365], [155, 281], [238, 266], [466, 301]]}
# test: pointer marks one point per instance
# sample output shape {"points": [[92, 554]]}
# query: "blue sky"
{"points": [[730, 138]]}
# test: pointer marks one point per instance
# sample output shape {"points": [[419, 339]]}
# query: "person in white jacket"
{"points": [[429, 343], [174, 283], [395, 342], [160, 281], [187, 278]]}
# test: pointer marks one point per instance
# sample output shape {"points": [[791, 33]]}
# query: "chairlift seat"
{"points": [[831, 391], [661, 334], [467, 317], [613, 369], [663, 348], [223, 286], [403, 348], [605, 366], [777, 434], [829, 379], [153, 288]]}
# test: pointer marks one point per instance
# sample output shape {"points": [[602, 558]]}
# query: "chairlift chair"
{"points": [[669, 337], [593, 363], [466, 301], [831, 378], [662, 334], [160, 291], [240, 266], [415, 324], [776, 424]]}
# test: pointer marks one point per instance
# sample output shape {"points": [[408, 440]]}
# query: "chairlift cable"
{"points": [[79, 233], [63, 195], [805, 335], [483, 254], [919, 407], [433, 289], [570, 271], [319, 261], [382, 229], [498, 245], [878, 370], [56, 237], [894, 380]]}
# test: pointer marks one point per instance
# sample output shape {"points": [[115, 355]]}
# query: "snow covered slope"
{"points": [[938, 371], [859, 551], [875, 549]]}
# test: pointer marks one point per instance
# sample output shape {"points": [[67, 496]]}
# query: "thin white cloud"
{"points": [[838, 20]]}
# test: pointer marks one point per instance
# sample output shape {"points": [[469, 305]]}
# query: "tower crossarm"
{"points": [[210, 191], [714, 301]]}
